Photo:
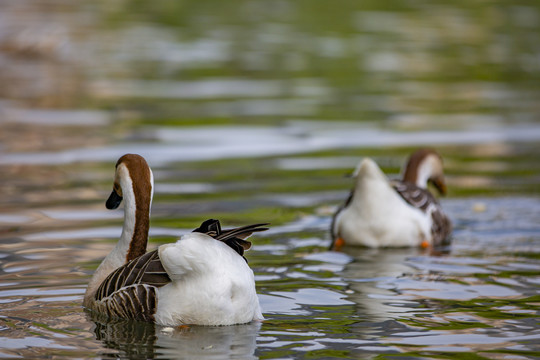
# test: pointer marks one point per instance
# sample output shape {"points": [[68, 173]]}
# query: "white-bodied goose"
{"points": [[201, 279], [384, 213]]}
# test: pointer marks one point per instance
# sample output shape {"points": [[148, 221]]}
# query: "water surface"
{"points": [[255, 111]]}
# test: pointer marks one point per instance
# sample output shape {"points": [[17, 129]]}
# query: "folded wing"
{"points": [[422, 199]]}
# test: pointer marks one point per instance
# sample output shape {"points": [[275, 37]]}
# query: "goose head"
{"points": [[133, 184], [425, 166]]}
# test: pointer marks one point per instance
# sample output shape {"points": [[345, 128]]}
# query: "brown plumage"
{"points": [[414, 191], [422, 199], [413, 169], [142, 189]]}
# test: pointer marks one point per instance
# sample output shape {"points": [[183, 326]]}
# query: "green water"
{"points": [[253, 111]]}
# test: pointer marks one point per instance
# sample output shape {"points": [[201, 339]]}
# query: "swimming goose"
{"points": [[201, 279], [384, 213]]}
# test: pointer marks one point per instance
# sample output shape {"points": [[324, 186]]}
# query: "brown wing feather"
{"points": [[441, 228], [146, 269], [422, 199], [130, 291], [414, 195], [131, 302]]}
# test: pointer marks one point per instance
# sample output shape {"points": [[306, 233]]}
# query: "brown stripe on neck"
{"points": [[139, 172], [139, 241], [411, 170]]}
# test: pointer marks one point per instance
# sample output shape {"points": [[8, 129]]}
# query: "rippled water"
{"points": [[254, 112]]}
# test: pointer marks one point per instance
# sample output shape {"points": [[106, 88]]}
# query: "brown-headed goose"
{"points": [[384, 213], [201, 279]]}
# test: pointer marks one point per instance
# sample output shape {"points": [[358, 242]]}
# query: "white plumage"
{"points": [[384, 213], [201, 279], [211, 284], [377, 216]]}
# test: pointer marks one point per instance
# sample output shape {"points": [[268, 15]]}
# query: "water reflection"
{"points": [[237, 108], [133, 339], [371, 280], [236, 341], [139, 340]]}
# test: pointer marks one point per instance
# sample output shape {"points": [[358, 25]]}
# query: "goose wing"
{"points": [[422, 199], [146, 269], [130, 290], [441, 227], [414, 195], [138, 301], [234, 238]]}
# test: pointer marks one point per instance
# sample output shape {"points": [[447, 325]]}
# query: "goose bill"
{"points": [[113, 201], [439, 184]]}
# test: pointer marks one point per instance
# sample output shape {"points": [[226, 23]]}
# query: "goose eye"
{"points": [[118, 189]]}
